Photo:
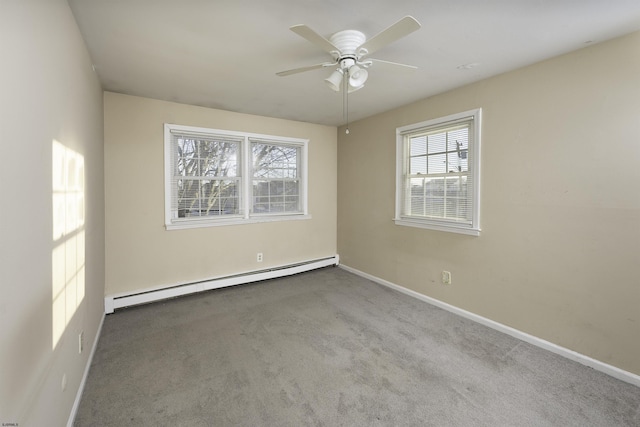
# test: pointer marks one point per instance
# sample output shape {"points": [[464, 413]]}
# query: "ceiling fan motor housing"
{"points": [[348, 41]]}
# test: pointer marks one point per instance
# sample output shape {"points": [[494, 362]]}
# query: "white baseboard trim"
{"points": [[610, 370], [76, 402], [112, 302]]}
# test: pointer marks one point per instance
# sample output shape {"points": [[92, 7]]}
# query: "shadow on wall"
{"points": [[68, 254]]}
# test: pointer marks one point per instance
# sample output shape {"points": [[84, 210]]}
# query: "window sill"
{"points": [[438, 226], [201, 223]]}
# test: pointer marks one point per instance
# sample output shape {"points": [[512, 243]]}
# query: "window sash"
{"points": [[444, 199], [198, 197]]}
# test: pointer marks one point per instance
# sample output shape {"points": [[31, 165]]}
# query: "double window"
{"points": [[217, 177], [438, 174]]}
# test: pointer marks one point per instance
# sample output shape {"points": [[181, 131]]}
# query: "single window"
{"points": [[438, 174], [215, 177]]}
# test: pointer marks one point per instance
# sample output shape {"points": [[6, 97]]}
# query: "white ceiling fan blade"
{"points": [[392, 64], [403, 27], [315, 38], [303, 69]]}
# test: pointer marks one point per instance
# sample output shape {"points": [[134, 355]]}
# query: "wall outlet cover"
{"points": [[446, 277]]}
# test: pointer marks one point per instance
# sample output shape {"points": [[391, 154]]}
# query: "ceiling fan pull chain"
{"points": [[345, 104]]}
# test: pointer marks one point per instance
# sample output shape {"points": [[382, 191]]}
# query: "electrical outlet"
{"points": [[446, 277], [80, 342], [259, 257]]}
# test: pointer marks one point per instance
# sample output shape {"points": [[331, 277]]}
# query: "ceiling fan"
{"points": [[350, 52]]}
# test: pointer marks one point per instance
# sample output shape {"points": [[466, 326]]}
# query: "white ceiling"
{"points": [[225, 53]]}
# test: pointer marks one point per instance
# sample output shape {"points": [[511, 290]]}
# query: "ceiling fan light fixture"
{"points": [[357, 76], [334, 80]]}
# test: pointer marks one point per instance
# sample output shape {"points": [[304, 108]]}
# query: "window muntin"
{"points": [[218, 177], [438, 174]]}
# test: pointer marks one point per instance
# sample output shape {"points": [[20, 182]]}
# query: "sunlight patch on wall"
{"points": [[68, 255]]}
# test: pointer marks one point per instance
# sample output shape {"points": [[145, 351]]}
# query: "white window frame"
{"points": [[172, 222], [402, 163]]}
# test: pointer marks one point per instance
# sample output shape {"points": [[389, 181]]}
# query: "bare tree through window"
{"points": [[208, 177], [224, 177], [276, 184]]}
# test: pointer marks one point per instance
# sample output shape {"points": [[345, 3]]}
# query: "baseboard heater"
{"points": [[113, 302]]}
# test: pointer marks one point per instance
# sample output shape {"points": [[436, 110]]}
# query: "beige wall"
{"points": [[141, 254], [559, 252], [52, 267]]}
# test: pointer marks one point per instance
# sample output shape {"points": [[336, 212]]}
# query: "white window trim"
{"points": [[434, 224], [247, 217]]}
